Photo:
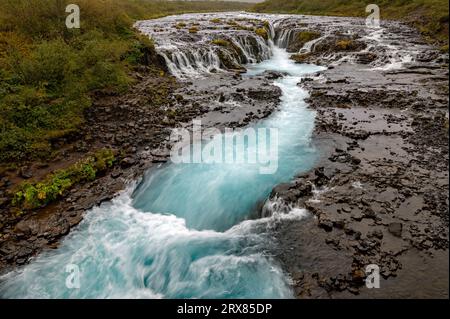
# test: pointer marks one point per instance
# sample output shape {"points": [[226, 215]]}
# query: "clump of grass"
{"points": [[54, 186], [216, 20]]}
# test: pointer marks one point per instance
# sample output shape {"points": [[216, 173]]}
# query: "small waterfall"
{"points": [[192, 62], [195, 54], [284, 38], [309, 46]]}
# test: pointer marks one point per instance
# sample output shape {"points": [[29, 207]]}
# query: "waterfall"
{"points": [[284, 38], [309, 46], [192, 55]]}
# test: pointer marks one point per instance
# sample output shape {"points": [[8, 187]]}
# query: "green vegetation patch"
{"points": [[38, 194], [49, 74], [262, 32]]}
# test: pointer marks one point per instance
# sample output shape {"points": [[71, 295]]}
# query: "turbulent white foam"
{"points": [[125, 253], [398, 56]]}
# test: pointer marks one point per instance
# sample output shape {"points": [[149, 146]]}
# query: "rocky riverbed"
{"points": [[379, 194]]}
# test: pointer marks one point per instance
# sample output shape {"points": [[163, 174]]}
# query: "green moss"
{"points": [[345, 45], [193, 30], [38, 194], [221, 42], [262, 32], [180, 25], [306, 36]]}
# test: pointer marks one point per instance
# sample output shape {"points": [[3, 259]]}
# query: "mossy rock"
{"points": [[301, 58], [339, 44], [221, 42], [180, 25], [228, 62], [346, 45], [301, 39], [262, 32], [193, 30]]}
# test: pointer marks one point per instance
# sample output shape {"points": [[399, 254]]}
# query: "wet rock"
{"points": [[325, 224], [396, 229], [116, 174], [375, 234], [127, 162], [26, 173], [273, 75], [3, 201], [366, 57], [321, 179]]}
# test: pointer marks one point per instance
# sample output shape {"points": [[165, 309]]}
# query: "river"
{"points": [[185, 230]]}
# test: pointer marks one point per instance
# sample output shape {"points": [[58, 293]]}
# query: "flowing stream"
{"points": [[186, 230]]}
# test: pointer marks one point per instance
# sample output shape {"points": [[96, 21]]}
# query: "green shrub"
{"points": [[180, 25]]}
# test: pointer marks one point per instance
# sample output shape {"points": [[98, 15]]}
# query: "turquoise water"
{"points": [[184, 231]]}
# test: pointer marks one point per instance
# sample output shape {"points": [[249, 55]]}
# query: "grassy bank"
{"points": [[430, 17], [49, 74]]}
